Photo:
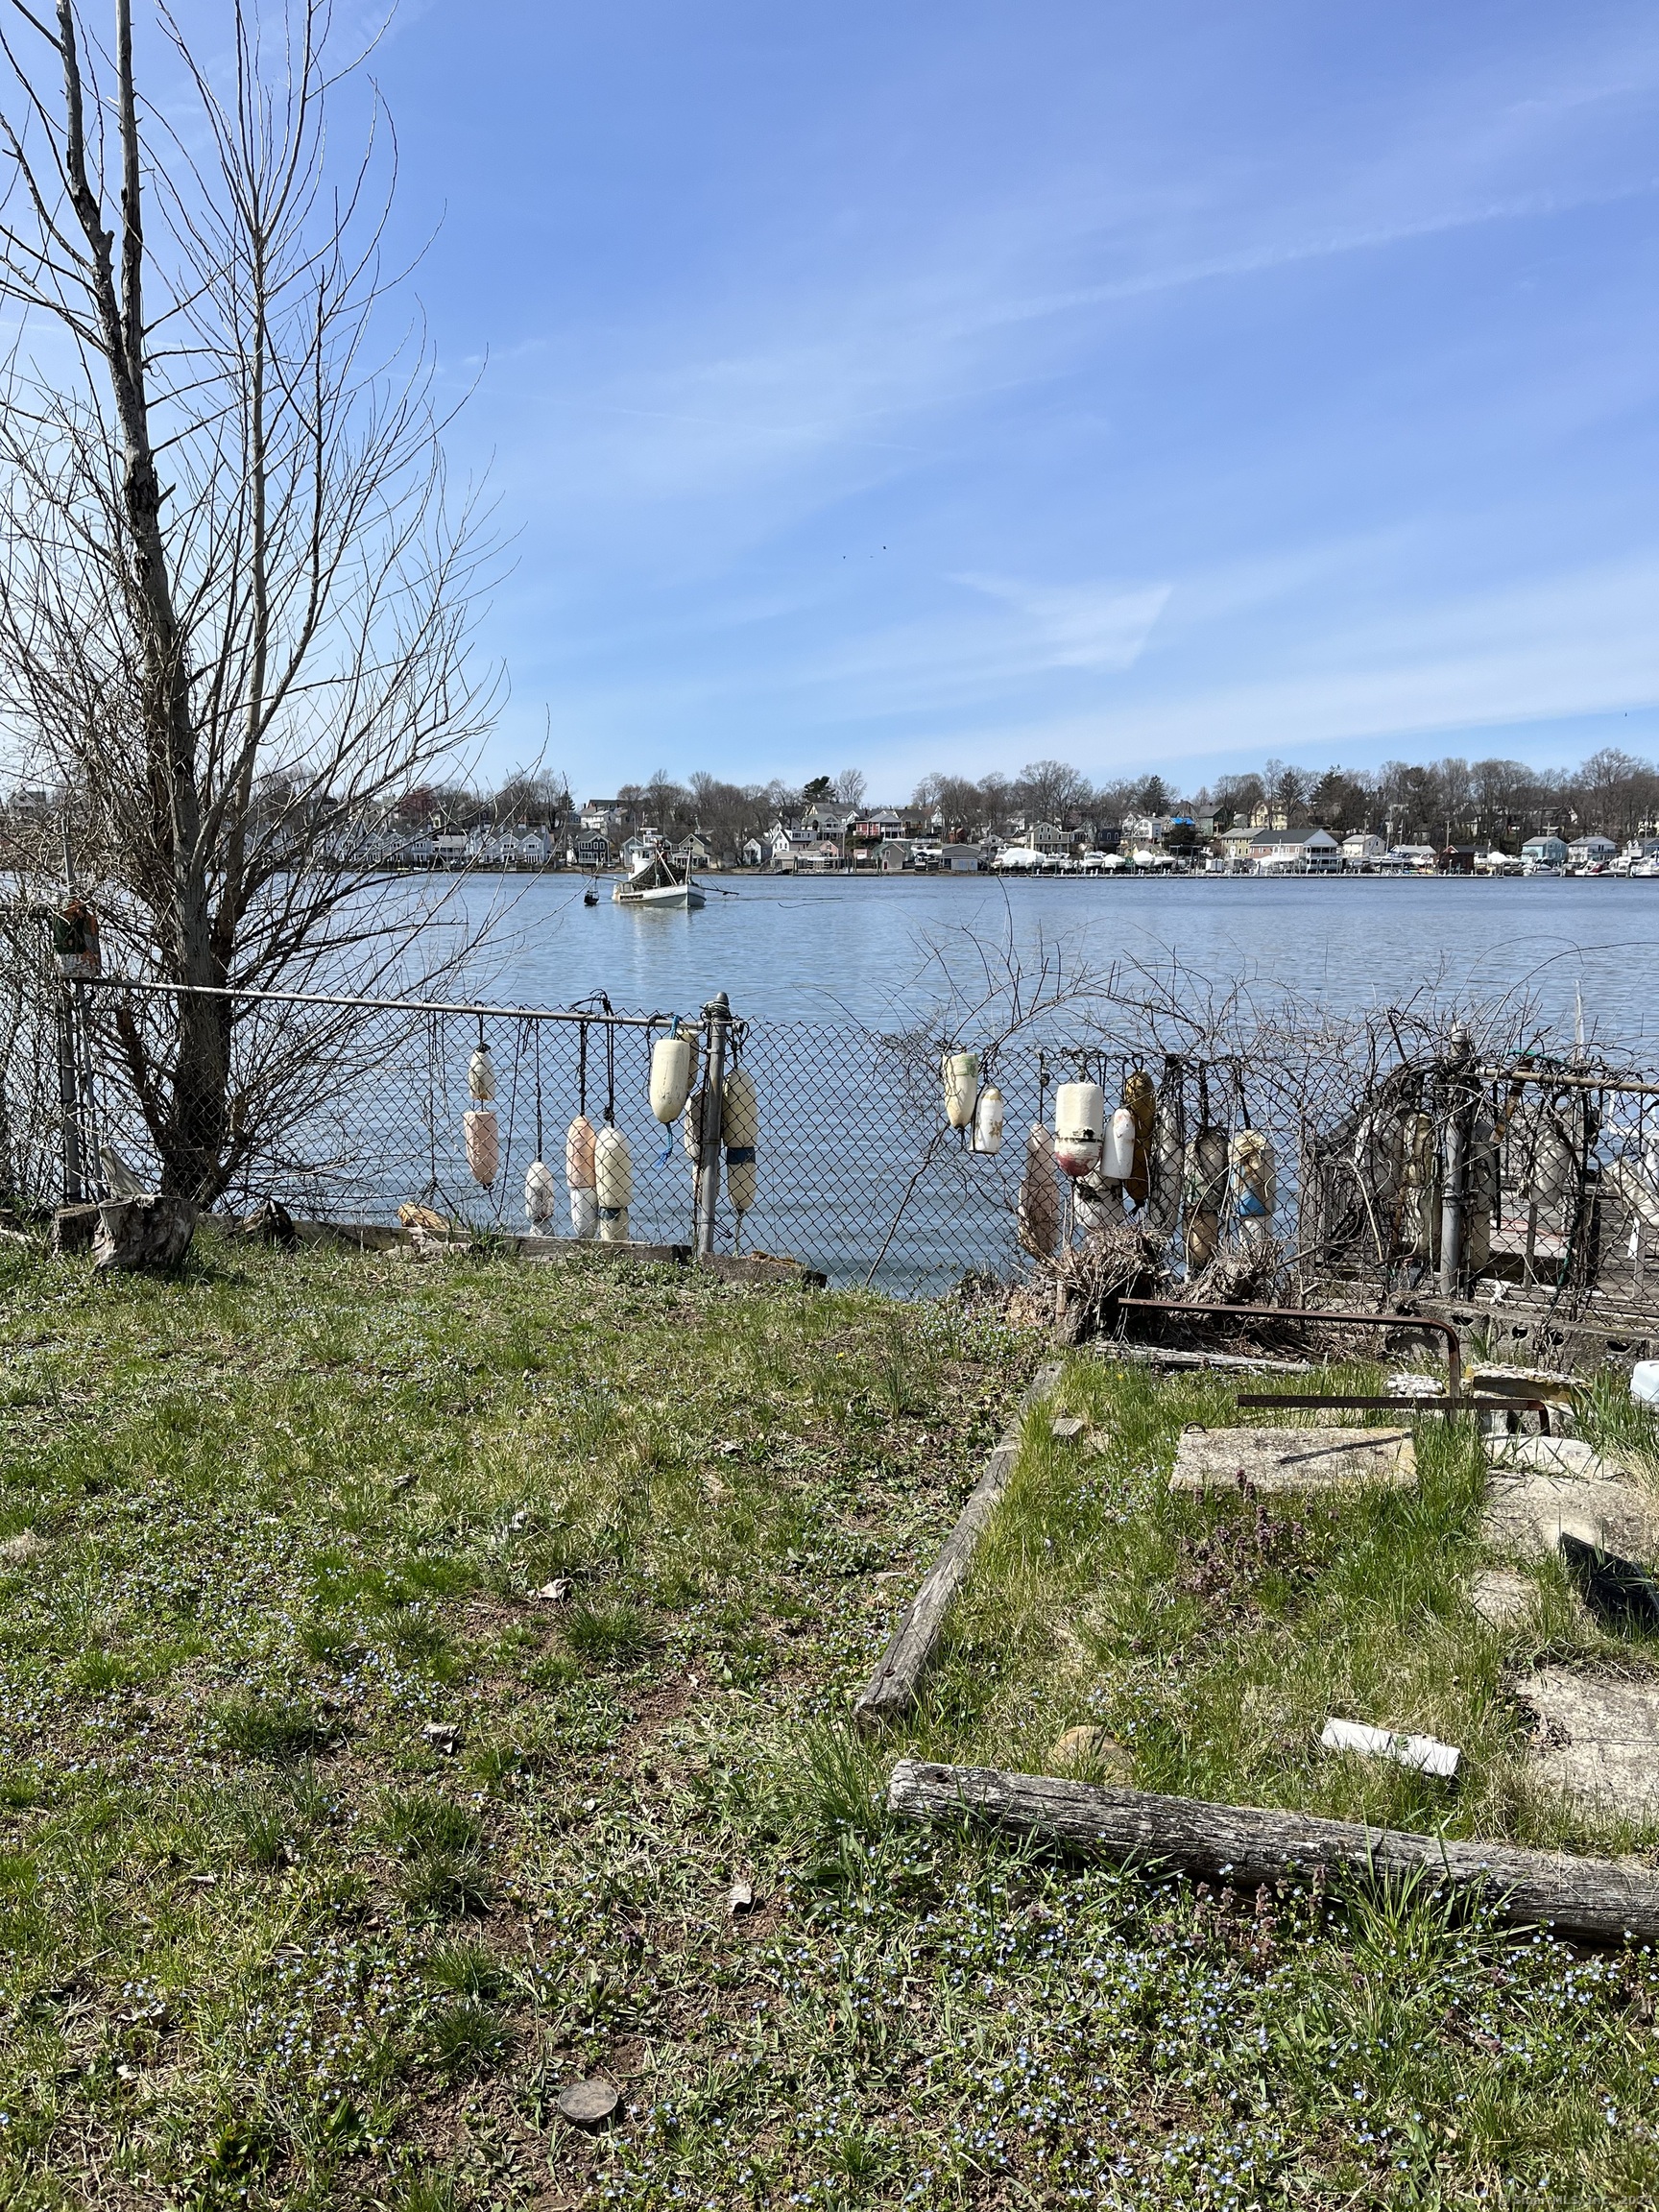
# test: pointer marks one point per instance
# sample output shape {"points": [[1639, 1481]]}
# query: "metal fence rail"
{"points": [[1403, 1162]]}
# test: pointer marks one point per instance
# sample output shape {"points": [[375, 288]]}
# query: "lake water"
{"points": [[804, 948]]}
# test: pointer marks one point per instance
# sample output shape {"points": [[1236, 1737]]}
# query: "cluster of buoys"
{"points": [[1133, 1159]]}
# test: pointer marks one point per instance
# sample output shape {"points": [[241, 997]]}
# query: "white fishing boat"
{"points": [[658, 880]]}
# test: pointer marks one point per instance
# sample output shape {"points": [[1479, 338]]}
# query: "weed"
{"points": [[607, 1635], [469, 2039], [269, 1728]]}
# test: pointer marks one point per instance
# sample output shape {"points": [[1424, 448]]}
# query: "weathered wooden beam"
{"points": [[1599, 1899], [891, 1690]]}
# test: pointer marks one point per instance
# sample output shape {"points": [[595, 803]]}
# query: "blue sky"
{"points": [[905, 385]]}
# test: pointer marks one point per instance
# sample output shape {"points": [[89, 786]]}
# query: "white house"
{"points": [[1292, 852], [784, 845], [1361, 848], [961, 859], [753, 852], [1585, 851]]}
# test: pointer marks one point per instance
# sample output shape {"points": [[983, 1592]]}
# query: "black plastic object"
{"points": [[1620, 1593]]}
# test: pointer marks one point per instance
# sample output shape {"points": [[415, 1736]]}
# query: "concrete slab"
{"points": [[1553, 1455], [1599, 1740], [1502, 1595], [1526, 1513], [1283, 1460]]}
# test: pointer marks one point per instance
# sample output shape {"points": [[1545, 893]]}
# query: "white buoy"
{"points": [[670, 1077], [483, 1143], [988, 1121], [1099, 1204], [1039, 1195], [960, 1072], [1117, 1146], [579, 1177], [740, 1134], [481, 1074], [1079, 1127], [540, 1192], [613, 1183]]}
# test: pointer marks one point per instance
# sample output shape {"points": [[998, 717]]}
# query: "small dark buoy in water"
{"points": [[590, 897]]}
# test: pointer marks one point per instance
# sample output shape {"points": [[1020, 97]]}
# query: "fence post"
{"points": [[68, 1095], [1455, 1163], [717, 1014]]}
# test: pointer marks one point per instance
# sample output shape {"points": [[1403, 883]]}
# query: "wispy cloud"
{"points": [[1080, 625]]}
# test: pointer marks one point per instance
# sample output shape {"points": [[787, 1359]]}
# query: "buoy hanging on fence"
{"points": [[1097, 1203], [988, 1121], [1419, 1186], [1079, 1127], [541, 1194], [740, 1134], [1039, 1195], [481, 1074], [579, 1178], [1205, 1193], [1141, 1104], [670, 1077], [483, 1142], [1118, 1151], [1252, 1186], [613, 1183], [960, 1072]]}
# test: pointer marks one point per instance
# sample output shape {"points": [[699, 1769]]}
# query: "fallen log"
{"points": [[1599, 1899], [892, 1688]]}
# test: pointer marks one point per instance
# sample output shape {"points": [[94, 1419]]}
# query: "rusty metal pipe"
{"points": [[1453, 1349]]}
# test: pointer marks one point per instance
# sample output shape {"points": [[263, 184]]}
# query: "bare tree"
{"points": [[851, 787], [234, 605]]}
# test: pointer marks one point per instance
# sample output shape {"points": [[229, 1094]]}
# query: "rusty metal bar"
{"points": [[1329, 1313]]}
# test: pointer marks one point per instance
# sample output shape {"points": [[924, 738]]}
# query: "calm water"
{"points": [[810, 949]]}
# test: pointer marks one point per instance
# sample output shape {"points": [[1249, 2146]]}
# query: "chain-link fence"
{"points": [[1390, 1159]]}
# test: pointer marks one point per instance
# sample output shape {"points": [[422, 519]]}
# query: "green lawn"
{"points": [[266, 1944]]}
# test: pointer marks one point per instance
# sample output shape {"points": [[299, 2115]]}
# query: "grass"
{"points": [[264, 1944], [1212, 1637]]}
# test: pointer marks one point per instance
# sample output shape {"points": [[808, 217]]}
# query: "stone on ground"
{"points": [[1275, 1460], [588, 2104], [1600, 1740], [1091, 1753], [1563, 1456]]}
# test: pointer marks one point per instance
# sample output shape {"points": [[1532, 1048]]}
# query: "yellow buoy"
{"points": [[579, 1178], [613, 1183], [1039, 1195], [670, 1077], [960, 1072], [740, 1134], [483, 1143]]}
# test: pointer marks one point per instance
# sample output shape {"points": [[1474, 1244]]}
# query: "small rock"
{"points": [[556, 1591], [1093, 1754], [739, 1898], [1066, 1427], [588, 2104], [441, 1735], [25, 1544]]}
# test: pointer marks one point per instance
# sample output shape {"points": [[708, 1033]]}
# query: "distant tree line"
{"points": [[1439, 803]]}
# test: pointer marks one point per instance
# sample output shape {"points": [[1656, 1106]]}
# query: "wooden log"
{"points": [[142, 1234], [891, 1690], [1603, 1900], [762, 1267]]}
